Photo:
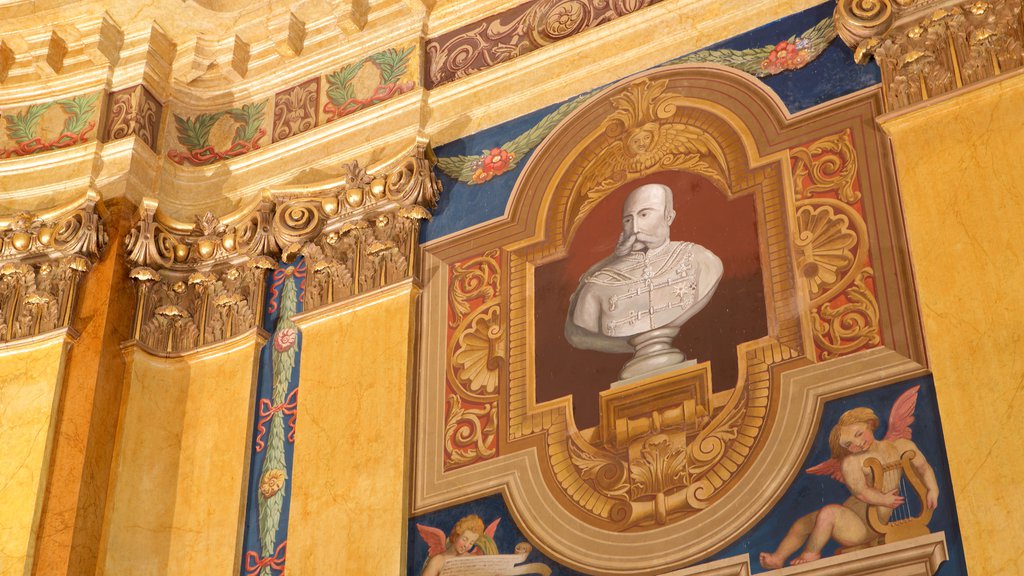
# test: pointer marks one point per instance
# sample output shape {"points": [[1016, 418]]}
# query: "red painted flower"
{"points": [[786, 56], [494, 162], [498, 160], [285, 339]]}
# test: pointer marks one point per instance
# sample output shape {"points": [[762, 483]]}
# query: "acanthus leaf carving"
{"points": [[926, 48], [201, 285], [42, 263]]}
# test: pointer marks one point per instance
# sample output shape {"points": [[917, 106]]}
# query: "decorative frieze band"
{"points": [[517, 31], [201, 286], [926, 48], [42, 262]]}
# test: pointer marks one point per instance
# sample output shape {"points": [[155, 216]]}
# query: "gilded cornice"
{"points": [[203, 284], [930, 48], [153, 83], [43, 258]]}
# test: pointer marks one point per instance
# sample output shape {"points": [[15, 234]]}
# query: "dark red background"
{"points": [[735, 314]]}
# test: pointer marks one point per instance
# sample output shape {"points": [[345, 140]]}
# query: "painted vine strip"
{"points": [[266, 523], [791, 54]]}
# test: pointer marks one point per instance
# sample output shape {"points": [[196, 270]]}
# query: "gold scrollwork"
{"points": [[476, 357], [829, 164], [858, 20], [842, 328], [472, 279], [478, 360], [831, 242], [470, 433]]}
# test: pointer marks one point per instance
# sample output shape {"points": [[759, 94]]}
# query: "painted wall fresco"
{"points": [[905, 409], [267, 506], [646, 397]]}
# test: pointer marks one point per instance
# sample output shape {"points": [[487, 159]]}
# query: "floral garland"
{"points": [[791, 54], [275, 426]]}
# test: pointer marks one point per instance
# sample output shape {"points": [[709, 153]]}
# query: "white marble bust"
{"points": [[637, 299]]}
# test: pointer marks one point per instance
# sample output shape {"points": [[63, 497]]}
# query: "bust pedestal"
{"points": [[653, 352]]}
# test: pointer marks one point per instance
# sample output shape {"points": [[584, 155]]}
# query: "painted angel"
{"points": [[468, 537], [852, 443]]}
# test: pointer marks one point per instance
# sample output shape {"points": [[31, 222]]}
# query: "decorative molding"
{"points": [[514, 32], [42, 263], [831, 242], [921, 556], [476, 375], [926, 48], [134, 112], [295, 109], [204, 285]]}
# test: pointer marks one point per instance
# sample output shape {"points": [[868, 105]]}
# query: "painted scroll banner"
{"points": [[503, 564]]}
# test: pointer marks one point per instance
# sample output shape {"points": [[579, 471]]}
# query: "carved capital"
{"points": [[42, 262], [204, 284], [926, 48]]}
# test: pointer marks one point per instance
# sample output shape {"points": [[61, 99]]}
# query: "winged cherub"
{"points": [[852, 441], [468, 537]]}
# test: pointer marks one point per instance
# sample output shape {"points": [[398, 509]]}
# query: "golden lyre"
{"points": [[898, 523]]}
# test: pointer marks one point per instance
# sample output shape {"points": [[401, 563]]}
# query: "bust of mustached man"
{"points": [[637, 299]]}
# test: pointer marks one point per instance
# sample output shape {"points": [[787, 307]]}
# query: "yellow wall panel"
{"points": [[349, 492], [962, 182], [30, 375], [181, 467]]}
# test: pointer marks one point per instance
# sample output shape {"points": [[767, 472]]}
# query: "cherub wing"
{"points": [[434, 538], [601, 175], [831, 467], [902, 415], [489, 531]]}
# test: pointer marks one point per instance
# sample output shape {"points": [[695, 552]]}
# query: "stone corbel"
{"points": [[42, 262], [204, 285], [927, 48]]}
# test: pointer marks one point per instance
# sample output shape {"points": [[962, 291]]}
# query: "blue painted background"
{"points": [[807, 493]]}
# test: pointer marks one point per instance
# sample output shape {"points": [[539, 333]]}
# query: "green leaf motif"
{"points": [[249, 118], [459, 168], [79, 110], [339, 83], [392, 63], [194, 133], [21, 127]]}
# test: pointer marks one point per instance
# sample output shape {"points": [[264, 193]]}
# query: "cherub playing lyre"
{"points": [[852, 442]]}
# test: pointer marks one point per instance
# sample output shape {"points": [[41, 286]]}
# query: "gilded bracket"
{"points": [[42, 262], [204, 285], [927, 48]]}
